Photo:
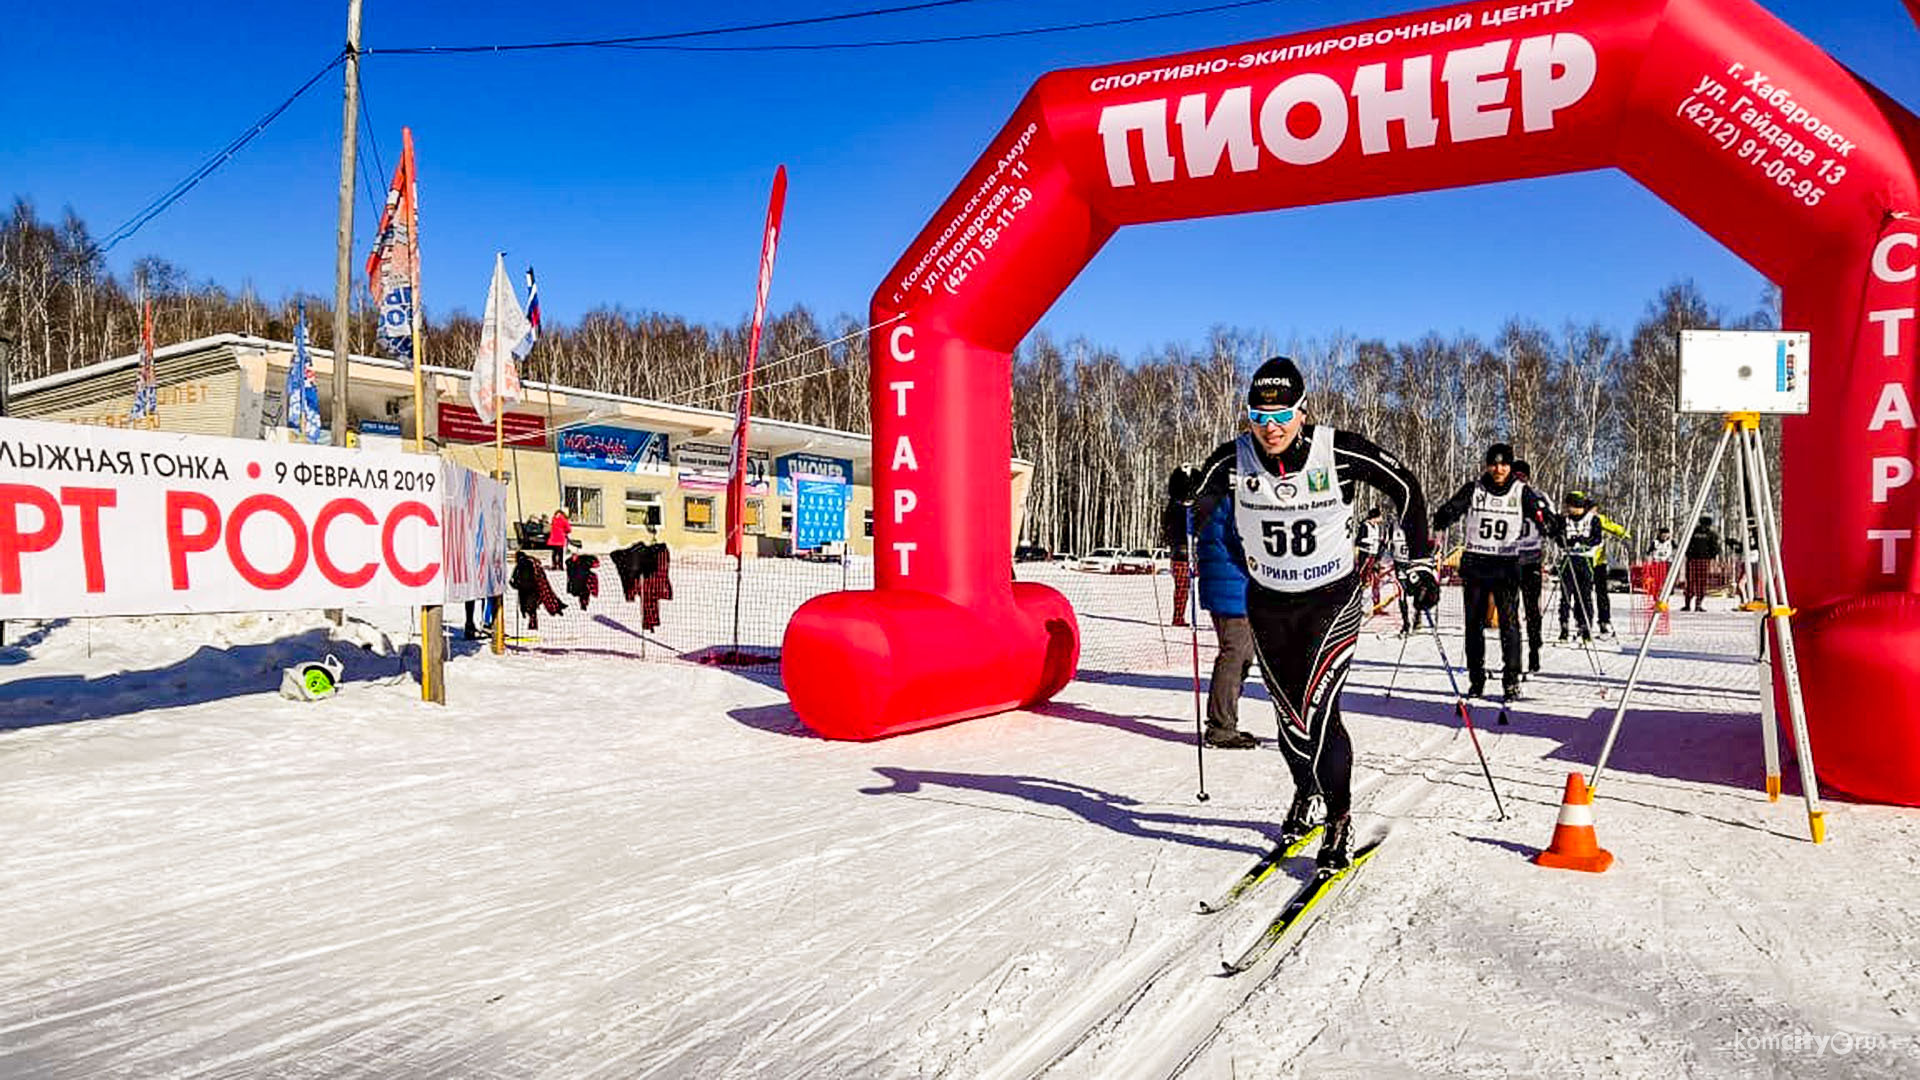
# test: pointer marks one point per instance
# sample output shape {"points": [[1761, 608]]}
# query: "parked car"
{"points": [[1137, 561], [1067, 558], [832, 551], [1031, 553], [1098, 561]]}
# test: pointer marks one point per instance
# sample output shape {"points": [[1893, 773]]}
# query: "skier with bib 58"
{"points": [[1291, 487]]}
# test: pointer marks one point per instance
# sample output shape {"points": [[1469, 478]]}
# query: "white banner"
{"points": [[99, 521], [475, 525]]}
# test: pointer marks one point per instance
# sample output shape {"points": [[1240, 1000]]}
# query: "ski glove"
{"points": [[1420, 584]]}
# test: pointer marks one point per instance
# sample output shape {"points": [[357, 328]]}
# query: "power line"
{"points": [[1058, 28], [646, 42], [207, 168], [601, 43], [789, 358], [373, 145], [662, 42]]}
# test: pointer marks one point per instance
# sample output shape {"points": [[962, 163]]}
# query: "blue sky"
{"points": [[639, 178]]}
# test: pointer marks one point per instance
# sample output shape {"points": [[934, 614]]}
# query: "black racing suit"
{"points": [[1305, 640], [1491, 577], [1531, 580]]}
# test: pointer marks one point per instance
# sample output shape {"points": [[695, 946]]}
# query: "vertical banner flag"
{"points": [[303, 396], [736, 469], [505, 336], [146, 388], [394, 265], [533, 309]]}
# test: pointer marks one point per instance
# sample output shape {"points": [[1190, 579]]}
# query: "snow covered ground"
{"points": [[586, 866]]}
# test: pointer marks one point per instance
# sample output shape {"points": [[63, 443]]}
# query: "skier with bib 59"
{"points": [[1291, 486], [1497, 507]]}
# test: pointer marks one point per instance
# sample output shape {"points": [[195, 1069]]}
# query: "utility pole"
{"points": [[343, 250], [343, 262]]}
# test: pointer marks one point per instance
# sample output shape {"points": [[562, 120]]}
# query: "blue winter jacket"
{"points": [[1223, 580]]}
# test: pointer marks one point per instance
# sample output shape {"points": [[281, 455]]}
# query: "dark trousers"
{"points": [[1305, 643], [1576, 591], [488, 612], [1697, 572], [1505, 596], [559, 554], [1602, 598], [1530, 601], [1229, 673]]}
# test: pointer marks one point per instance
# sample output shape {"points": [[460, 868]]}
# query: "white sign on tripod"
{"points": [[1743, 374], [1734, 371]]}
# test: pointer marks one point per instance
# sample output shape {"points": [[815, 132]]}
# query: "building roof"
{"points": [[785, 435]]}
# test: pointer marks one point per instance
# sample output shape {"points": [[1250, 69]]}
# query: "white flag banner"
{"points": [[505, 336]]}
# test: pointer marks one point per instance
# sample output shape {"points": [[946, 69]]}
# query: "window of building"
{"points": [[643, 509], [699, 512], [755, 511], [786, 517], [869, 523], [583, 505]]}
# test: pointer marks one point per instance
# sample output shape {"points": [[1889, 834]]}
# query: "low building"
{"points": [[624, 468]]}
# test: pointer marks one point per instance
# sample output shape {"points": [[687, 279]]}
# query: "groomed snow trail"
{"points": [[587, 867]]}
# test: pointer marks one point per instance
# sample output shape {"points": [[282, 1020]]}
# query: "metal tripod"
{"points": [[1751, 470]]}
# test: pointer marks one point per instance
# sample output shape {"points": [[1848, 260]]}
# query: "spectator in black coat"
{"points": [[1703, 547], [1173, 536]]}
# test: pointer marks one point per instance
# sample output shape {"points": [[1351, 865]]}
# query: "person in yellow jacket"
{"points": [[1586, 538]]}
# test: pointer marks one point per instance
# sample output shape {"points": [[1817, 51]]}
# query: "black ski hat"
{"points": [[1521, 467], [1277, 385], [1180, 482], [1499, 454]]}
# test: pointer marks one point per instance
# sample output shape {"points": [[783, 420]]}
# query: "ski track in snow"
{"points": [[586, 867]]}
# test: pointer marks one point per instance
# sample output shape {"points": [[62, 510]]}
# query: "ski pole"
{"points": [[1460, 701], [1589, 609], [1193, 632], [1570, 587], [1395, 680]]}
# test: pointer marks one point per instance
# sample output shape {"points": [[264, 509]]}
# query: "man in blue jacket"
{"points": [[1223, 593]]}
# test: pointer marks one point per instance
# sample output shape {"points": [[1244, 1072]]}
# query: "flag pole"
{"points": [[743, 411], [499, 473], [433, 643], [413, 283]]}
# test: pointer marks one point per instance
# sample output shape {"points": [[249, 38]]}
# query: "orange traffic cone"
{"points": [[1574, 846]]}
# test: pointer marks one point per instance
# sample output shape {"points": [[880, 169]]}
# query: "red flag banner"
{"points": [[393, 269], [736, 469]]}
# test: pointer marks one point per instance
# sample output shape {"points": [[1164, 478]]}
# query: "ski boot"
{"points": [[1230, 740], [1336, 851], [1606, 631], [1476, 684], [1510, 693], [1299, 821], [1563, 633], [1533, 659]]}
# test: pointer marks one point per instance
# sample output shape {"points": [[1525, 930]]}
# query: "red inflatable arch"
{"points": [[1723, 111]]}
